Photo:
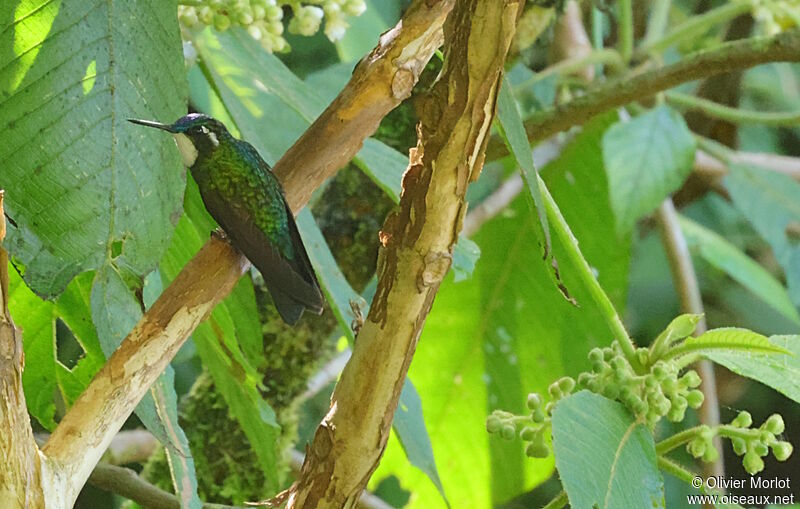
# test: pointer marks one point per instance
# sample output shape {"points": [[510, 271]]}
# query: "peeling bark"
{"points": [[417, 245]]}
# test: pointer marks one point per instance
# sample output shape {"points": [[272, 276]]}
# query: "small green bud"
{"points": [[534, 401], [774, 424], [619, 364], [782, 450], [507, 431], [660, 371], [205, 14], [528, 433], [695, 398], [566, 384], [676, 414], [595, 355], [711, 454], [548, 408], [650, 381], [753, 463], [705, 433], [691, 379], [188, 17], [638, 406], [739, 445], [743, 420], [538, 415], [537, 450], [555, 391], [760, 448], [611, 391], [696, 447], [643, 356], [493, 423], [221, 22], [583, 379]]}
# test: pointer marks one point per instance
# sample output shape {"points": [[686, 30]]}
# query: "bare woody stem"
{"points": [[686, 284], [784, 47], [417, 250]]}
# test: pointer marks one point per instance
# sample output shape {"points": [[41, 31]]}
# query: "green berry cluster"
{"points": [[532, 428], [264, 19], [661, 391], [755, 443]]}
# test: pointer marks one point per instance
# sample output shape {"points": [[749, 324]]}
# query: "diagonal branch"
{"points": [[417, 245], [378, 84], [743, 54]]}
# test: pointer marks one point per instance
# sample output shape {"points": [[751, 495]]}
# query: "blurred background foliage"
{"points": [[99, 227]]}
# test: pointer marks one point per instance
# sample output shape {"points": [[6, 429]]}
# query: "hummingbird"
{"points": [[242, 194]]}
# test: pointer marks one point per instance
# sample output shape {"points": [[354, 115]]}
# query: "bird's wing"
{"points": [[291, 282]]}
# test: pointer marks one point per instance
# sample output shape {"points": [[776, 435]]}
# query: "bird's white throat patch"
{"points": [[187, 149]]}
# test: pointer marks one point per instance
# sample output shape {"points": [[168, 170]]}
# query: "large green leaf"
{"points": [[605, 459], [728, 339], [508, 331], [771, 202], [725, 256], [37, 319], [646, 159], [85, 188], [779, 371]]}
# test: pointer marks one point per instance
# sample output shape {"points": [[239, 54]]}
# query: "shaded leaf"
{"points": [[410, 428], [513, 132], [81, 182], [771, 202], [725, 256], [602, 453], [779, 371], [647, 159], [465, 256]]}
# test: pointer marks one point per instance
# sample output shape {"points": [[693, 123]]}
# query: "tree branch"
{"points": [[784, 47], [417, 243]]}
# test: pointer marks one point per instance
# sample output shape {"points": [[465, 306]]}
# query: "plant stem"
{"points": [[584, 272], [602, 57], [688, 288], [625, 29], [696, 26], [675, 469], [734, 115], [657, 24], [558, 502], [676, 440]]}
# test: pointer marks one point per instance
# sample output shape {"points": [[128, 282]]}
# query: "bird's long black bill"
{"points": [[150, 123]]}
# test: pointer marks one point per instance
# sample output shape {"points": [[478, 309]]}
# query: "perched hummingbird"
{"points": [[242, 194]]}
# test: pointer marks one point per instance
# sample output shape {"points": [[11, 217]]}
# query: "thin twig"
{"points": [[685, 280]]}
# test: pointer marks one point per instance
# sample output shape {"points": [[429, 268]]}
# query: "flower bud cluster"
{"points": [[264, 19], [775, 16], [753, 444], [531, 428], [663, 391]]}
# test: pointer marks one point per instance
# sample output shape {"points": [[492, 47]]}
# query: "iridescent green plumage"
{"points": [[244, 197]]}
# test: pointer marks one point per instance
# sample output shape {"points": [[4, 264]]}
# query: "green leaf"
{"points": [[779, 371], [465, 256], [116, 311], [647, 159], [82, 183], [602, 453], [771, 202], [725, 256], [513, 132], [507, 331], [36, 320], [726, 338], [409, 425]]}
